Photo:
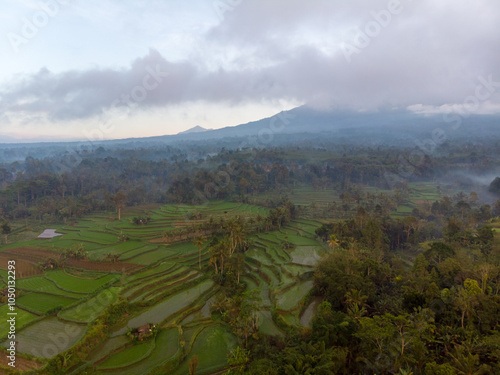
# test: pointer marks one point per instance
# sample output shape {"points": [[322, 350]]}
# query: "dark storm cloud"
{"points": [[325, 53]]}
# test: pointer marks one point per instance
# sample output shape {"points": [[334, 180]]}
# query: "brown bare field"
{"points": [[34, 256], [24, 268], [22, 364]]}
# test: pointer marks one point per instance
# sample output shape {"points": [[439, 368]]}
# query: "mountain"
{"points": [[301, 126], [391, 127], [196, 129]]}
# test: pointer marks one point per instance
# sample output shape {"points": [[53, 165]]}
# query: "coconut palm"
{"points": [[334, 242], [199, 241]]}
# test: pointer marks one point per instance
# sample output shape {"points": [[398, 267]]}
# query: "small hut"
{"points": [[143, 331]]}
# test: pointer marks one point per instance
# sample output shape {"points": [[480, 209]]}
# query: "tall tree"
{"points": [[199, 241], [119, 201], [6, 229]]}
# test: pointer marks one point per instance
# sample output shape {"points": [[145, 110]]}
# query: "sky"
{"points": [[111, 69]]}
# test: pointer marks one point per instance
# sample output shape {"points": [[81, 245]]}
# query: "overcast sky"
{"points": [[90, 69]]}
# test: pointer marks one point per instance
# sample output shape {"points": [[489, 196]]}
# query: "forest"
{"points": [[293, 259]]}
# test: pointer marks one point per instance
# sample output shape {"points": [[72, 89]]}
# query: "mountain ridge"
{"points": [[371, 126]]}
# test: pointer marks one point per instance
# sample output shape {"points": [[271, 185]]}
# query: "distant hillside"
{"points": [[300, 126], [196, 129], [358, 127]]}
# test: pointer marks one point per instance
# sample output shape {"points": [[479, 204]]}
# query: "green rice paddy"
{"points": [[170, 277]]}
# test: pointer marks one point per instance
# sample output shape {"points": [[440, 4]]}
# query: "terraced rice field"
{"points": [[161, 280], [290, 299], [419, 193], [45, 285], [89, 310], [128, 356], [48, 337], [23, 318], [165, 349], [211, 347], [306, 255], [267, 325], [106, 349], [40, 303], [75, 284], [161, 311]]}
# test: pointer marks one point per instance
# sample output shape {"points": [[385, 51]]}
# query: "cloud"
{"points": [[429, 53]]}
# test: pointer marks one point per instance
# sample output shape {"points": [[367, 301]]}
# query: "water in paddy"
{"points": [[310, 311]]}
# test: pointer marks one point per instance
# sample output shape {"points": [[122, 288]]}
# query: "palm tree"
{"points": [[214, 257], [199, 241], [224, 249], [356, 303], [237, 234], [239, 264], [334, 242]]}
